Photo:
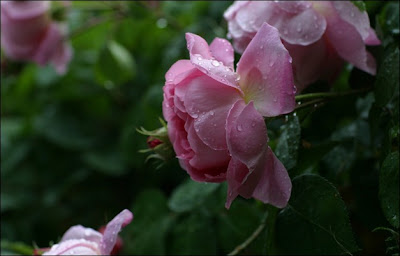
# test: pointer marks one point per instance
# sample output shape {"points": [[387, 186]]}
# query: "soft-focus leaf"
{"points": [[389, 188], [115, 65], [315, 221], [190, 194]]}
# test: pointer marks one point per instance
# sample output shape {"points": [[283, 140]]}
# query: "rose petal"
{"points": [[74, 247], [112, 229], [201, 57], [349, 43], [270, 182], [80, 232], [222, 50], [372, 38], [25, 9], [266, 73], [208, 102], [352, 15], [312, 62], [246, 134], [293, 6], [48, 45], [236, 174], [234, 8]]}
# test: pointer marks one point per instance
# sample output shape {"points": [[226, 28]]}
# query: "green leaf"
{"points": [[360, 5], [288, 143], [193, 235], [389, 188], [109, 162], [315, 220], [152, 221], [387, 80], [189, 195], [115, 65]]}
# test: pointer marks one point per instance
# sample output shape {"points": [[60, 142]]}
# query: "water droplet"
{"points": [[299, 29], [262, 46], [271, 63], [199, 58], [285, 31], [315, 105], [215, 63], [253, 124], [286, 118], [239, 128], [212, 113], [299, 103], [294, 89], [237, 78], [352, 14], [294, 114], [315, 17]]}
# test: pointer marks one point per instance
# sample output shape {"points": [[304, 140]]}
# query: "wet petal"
{"points": [[49, 44], [201, 57], [112, 230], [266, 73], [246, 134], [293, 6], [74, 247], [352, 15], [80, 232], [208, 102], [270, 182], [222, 51], [372, 38], [349, 44]]}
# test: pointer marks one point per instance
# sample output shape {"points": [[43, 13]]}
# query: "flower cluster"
{"points": [[29, 34], [319, 35]]}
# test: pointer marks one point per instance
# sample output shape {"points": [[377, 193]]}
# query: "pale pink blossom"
{"points": [[79, 240], [29, 34], [215, 115], [319, 35]]}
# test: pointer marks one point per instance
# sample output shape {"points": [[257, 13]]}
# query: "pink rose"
{"points": [[28, 34], [215, 115], [319, 35], [79, 240]]}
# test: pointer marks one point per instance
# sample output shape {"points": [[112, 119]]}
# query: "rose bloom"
{"points": [[28, 34], [79, 240], [319, 35], [215, 115]]}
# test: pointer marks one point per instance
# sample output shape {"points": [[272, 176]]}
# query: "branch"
{"points": [[251, 238], [330, 94]]}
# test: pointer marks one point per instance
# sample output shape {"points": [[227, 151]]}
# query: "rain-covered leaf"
{"points": [[315, 220], [288, 143], [389, 188]]}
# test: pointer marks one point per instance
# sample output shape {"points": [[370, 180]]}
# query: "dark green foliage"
{"points": [[69, 146]]}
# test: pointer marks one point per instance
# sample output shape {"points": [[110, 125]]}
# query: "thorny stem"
{"points": [[253, 236], [330, 94]]}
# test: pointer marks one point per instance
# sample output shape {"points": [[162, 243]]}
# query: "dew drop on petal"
{"points": [[215, 63], [239, 128]]}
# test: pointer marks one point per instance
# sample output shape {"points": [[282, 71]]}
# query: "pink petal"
{"points": [[266, 73], [62, 57], [270, 180], [208, 102], [234, 8], [293, 6], [360, 20], [237, 173], [80, 232], [312, 62], [178, 71], [349, 44], [112, 230], [222, 50], [208, 164], [25, 9], [246, 134], [372, 39], [74, 247], [252, 16], [49, 44], [201, 57]]}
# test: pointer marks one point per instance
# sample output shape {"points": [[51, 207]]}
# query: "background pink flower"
{"points": [[79, 240], [214, 114], [28, 34], [319, 35]]}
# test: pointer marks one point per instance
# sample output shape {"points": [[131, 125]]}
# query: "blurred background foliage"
{"points": [[69, 146]]}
